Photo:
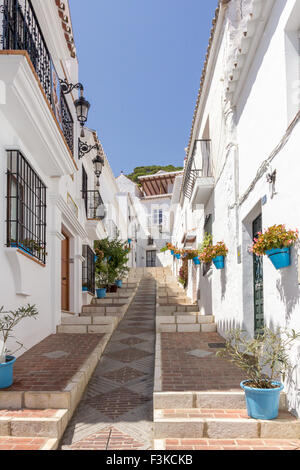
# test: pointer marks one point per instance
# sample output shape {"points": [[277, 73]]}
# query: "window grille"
{"points": [[26, 207], [88, 269]]}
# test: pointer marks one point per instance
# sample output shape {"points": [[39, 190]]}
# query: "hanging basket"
{"points": [[280, 257], [196, 261], [219, 262], [177, 256]]}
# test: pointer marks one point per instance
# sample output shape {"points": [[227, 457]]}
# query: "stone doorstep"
{"points": [[34, 426], [67, 399], [165, 309], [284, 427], [186, 328], [207, 400]]}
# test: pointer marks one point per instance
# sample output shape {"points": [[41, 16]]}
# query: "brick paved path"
{"points": [[116, 411]]}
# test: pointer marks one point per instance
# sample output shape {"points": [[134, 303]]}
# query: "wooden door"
{"points": [[65, 273]]}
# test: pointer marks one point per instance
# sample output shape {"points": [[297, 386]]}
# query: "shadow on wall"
{"points": [[288, 286], [223, 281], [228, 324]]}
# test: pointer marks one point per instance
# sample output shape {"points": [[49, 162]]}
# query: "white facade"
{"points": [[32, 127], [248, 111]]}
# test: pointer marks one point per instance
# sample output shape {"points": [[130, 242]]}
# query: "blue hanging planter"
{"points": [[101, 293], [172, 252], [262, 403], [196, 261], [177, 256], [6, 372], [280, 257], [129, 240], [219, 262], [85, 289]]}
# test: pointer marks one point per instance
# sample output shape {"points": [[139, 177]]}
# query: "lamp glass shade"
{"points": [[98, 163], [82, 109]]}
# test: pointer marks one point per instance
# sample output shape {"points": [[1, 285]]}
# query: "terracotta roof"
{"points": [[212, 34], [63, 12]]}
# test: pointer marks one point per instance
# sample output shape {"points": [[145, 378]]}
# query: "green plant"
{"points": [[264, 358], [209, 251], [115, 252], [190, 254], [276, 236], [105, 275], [8, 322], [183, 274]]}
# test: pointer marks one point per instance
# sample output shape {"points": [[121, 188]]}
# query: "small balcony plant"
{"points": [[265, 362], [276, 242], [214, 253], [8, 321]]}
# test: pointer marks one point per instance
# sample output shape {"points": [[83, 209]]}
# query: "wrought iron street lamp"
{"points": [[98, 163], [84, 148], [81, 104]]}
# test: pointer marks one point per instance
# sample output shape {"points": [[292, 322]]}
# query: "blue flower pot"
{"points": [[177, 256], [119, 283], [280, 257], [262, 403], [101, 293], [172, 252], [95, 259], [6, 372], [85, 289], [196, 261], [219, 262], [129, 240]]}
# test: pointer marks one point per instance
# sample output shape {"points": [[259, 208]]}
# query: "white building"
{"points": [[246, 127], [51, 209], [152, 203]]}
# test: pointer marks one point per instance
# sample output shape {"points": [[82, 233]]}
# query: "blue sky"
{"points": [[140, 62]]}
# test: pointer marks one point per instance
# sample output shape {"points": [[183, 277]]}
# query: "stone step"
{"points": [[27, 443], [173, 300], [165, 309], [107, 309], [185, 317], [222, 424], [33, 423], [225, 444], [208, 400], [95, 328], [186, 327], [110, 301]]}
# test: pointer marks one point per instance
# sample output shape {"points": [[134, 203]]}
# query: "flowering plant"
{"points": [[190, 254], [183, 275], [170, 246], [212, 251], [276, 236]]}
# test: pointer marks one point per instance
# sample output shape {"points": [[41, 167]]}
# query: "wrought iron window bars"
{"points": [[88, 269], [26, 207]]}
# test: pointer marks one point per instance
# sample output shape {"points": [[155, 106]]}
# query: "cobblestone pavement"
{"points": [[205, 372], [116, 411]]}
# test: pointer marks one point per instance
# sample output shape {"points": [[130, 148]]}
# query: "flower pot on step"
{"points": [[101, 293], [119, 283], [280, 257], [6, 372], [262, 403]]}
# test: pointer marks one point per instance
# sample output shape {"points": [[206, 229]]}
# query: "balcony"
{"points": [[94, 205], [32, 88], [198, 182]]}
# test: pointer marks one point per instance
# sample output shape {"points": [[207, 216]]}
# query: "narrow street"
{"points": [[116, 411]]}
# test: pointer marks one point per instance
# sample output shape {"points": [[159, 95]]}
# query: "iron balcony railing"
{"points": [[94, 205], [200, 156], [112, 229], [20, 30]]}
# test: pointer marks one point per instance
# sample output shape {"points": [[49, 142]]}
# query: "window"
{"points": [[150, 241], [157, 217], [26, 207], [84, 189], [88, 269]]}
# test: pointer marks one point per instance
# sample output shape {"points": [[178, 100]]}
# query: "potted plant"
{"points": [[8, 321], [265, 361], [85, 287], [276, 242], [213, 253], [177, 253]]}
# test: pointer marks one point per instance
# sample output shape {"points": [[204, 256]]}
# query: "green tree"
{"points": [[150, 170]]}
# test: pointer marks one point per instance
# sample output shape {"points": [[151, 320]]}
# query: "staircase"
{"points": [[206, 418]]}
